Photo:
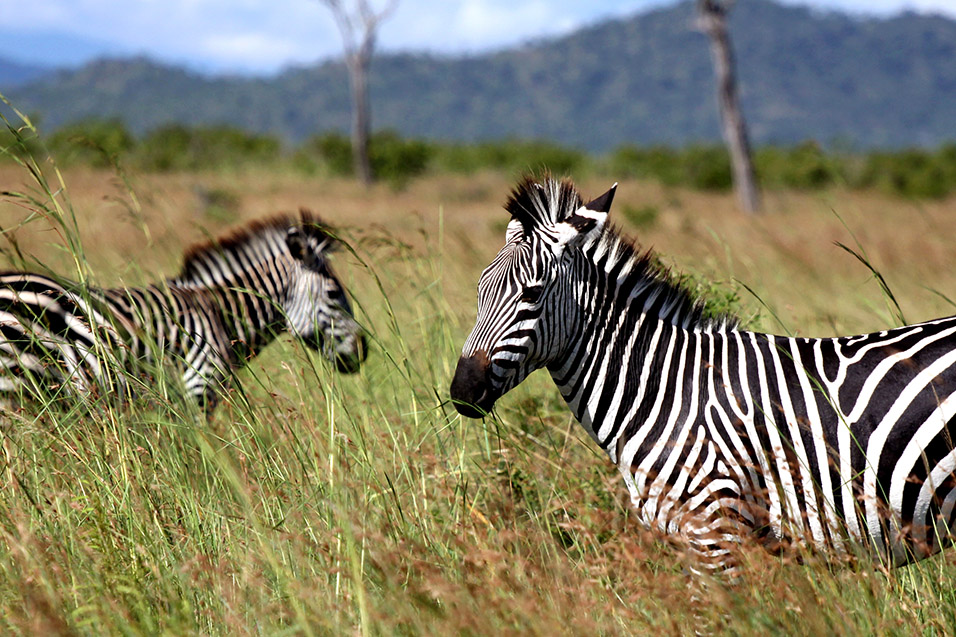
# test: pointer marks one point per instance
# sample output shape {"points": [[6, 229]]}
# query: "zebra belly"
{"points": [[707, 502], [910, 509]]}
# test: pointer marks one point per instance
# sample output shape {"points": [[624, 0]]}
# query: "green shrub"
{"points": [[178, 147], [913, 173], [165, 149], [707, 167], [332, 150], [397, 160], [805, 167], [393, 159], [654, 162], [512, 156], [95, 142], [719, 298], [699, 166]]}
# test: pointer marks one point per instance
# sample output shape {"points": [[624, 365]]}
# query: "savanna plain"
{"points": [[315, 503]]}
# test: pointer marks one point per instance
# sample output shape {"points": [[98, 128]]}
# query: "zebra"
{"points": [[839, 446], [232, 297]]}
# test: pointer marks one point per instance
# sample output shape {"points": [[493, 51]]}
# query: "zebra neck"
{"points": [[250, 318], [245, 300], [602, 377], [611, 375]]}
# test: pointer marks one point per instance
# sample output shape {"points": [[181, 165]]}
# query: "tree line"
{"points": [[916, 173]]}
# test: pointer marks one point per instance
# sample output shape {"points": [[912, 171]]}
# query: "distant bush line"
{"points": [[916, 173]]}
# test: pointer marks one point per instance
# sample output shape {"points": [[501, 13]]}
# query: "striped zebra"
{"points": [[232, 298], [722, 435]]}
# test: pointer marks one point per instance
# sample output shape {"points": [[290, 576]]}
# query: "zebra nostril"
{"points": [[469, 388]]}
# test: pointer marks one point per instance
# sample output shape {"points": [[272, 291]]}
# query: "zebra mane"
{"points": [[264, 234], [538, 204], [541, 203], [665, 294]]}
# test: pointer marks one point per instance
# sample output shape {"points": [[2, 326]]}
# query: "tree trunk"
{"points": [[358, 75], [712, 20], [358, 23]]}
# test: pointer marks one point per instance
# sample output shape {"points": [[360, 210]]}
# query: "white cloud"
{"points": [[483, 22], [471, 25], [264, 35], [250, 51]]}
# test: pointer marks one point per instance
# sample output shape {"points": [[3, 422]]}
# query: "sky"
{"points": [[264, 36]]}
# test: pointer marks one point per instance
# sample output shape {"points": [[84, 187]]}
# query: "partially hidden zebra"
{"points": [[232, 297], [721, 434]]}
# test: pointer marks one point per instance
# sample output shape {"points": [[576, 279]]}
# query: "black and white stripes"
{"points": [[232, 298], [721, 434]]}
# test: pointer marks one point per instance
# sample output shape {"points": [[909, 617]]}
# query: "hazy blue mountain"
{"points": [[15, 74], [644, 79], [53, 49]]}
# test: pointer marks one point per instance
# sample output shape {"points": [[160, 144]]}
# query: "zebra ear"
{"points": [[299, 246], [602, 203], [515, 229], [587, 222]]}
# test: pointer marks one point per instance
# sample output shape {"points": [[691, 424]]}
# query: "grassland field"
{"points": [[319, 504]]}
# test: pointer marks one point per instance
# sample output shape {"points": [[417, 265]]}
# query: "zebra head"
{"points": [[317, 309], [526, 315]]}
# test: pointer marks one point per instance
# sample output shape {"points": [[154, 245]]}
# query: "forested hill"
{"points": [[644, 79], [16, 73]]}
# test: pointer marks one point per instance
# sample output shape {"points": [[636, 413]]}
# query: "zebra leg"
{"points": [[207, 379], [713, 545], [711, 541], [714, 531], [208, 401], [216, 387], [213, 390]]}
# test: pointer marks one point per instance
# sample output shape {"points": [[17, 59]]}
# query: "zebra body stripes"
{"points": [[720, 434], [232, 298]]}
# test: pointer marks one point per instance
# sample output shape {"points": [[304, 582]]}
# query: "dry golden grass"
{"points": [[318, 504], [787, 256]]}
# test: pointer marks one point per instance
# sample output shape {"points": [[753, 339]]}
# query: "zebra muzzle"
{"points": [[348, 362], [470, 388]]}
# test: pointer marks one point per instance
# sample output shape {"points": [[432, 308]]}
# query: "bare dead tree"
{"points": [[712, 20], [358, 24]]}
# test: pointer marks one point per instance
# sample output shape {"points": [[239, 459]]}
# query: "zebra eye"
{"points": [[531, 293]]}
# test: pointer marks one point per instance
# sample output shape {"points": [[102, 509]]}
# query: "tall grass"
{"points": [[314, 503]]}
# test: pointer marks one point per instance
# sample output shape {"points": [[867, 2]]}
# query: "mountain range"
{"points": [[645, 79], [13, 74]]}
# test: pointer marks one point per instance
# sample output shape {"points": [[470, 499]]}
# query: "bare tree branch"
{"points": [[358, 24]]}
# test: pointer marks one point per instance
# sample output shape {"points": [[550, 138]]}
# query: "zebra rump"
{"points": [[232, 297], [721, 434]]}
